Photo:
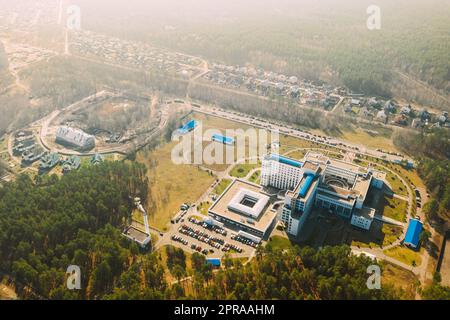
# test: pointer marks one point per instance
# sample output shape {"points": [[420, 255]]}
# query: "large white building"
{"points": [[74, 138], [280, 172], [339, 187], [245, 206]]}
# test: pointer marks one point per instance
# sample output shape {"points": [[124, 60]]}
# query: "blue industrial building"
{"points": [[412, 237]]}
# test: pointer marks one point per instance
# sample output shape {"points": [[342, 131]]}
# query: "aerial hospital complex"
{"points": [[317, 181]]}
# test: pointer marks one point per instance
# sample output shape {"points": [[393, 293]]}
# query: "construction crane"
{"points": [[133, 233], [138, 204]]}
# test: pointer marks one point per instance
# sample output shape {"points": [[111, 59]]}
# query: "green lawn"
{"points": [[391, 233], [241, 170], [256, 177], [379, 235], [405, 255], [297, 154], [279, 243], [393, 208], [220, 188], [396, 184]]}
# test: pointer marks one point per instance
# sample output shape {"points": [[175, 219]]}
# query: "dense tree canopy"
{"points": [[77, 219], [432, 150]]}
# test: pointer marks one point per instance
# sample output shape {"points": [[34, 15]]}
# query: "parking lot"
{"points": [[193, 235]]}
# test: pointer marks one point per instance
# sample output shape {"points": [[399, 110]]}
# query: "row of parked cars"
{"points": [[418, 198], [179, 239], [244, 241], [205, 225], [228, 246], [201, 236]]}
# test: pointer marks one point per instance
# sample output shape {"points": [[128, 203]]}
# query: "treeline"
{"points": [[330, 273], [47, 225], [432, 150]]}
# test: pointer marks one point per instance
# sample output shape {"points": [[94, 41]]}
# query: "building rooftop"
{"points": [[366, 212], [347, 166], [316, 157], [311, 166], [285, 160], [222, 205], [136, 235], [412, 237]]}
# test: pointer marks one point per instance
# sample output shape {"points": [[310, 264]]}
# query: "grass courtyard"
{"points": [[393, 208], [387, 206], [380, 235], [396, 184]]}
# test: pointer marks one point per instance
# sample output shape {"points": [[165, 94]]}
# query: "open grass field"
{"points": [[374, 141], [296, 154], [391, 234], [221, 126], [241, 170], [405, 255], [288, 143], [445, 267], [3, 145], [170, 184], [279, 243], [410, 175], [399, 278]]}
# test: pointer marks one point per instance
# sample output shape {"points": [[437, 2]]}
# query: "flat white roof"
{"points": [[256, 200]]}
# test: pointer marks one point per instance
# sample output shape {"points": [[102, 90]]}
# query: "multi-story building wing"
{"points": [[280, 172], [337, 186]]}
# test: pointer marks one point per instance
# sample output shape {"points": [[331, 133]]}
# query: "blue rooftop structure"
{"points": [[222, 139], [306, 185], [285, 160], [413, 233], [215, 262], [191, 125]]}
